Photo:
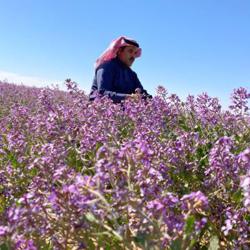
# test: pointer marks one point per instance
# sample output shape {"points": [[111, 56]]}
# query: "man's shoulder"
{"points": [[110, 64], [133, 72]]}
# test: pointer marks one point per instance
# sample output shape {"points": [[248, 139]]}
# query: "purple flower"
{"points": [[244, 159], [199, 224], [25, 244], [73, 171], [228, 226], [239, 99], [52, 197], [245, 185], [195, 201], [3, 231], [222, 163]]}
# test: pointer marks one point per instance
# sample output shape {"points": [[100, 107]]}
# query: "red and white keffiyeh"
{"points": [[113, 48]]}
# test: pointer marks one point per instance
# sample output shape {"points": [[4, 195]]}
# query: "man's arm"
{"points": [[105, 78]]}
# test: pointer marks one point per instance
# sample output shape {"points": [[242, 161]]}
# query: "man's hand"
{"points": [[138, 91], [134, 95], [138, 94], [131, 97], [143, 95]]}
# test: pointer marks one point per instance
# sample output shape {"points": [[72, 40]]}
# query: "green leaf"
{"points": [[4, 247], [189, 224], [247, 217], [13, 160], [33, 172], [140, 238], [176, 245], [90, 217], [183, 125], [214, 243], [237, 196], [199, 152], [198, 128]]}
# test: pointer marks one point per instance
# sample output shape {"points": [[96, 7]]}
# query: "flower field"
{"points": [[148, 174]]}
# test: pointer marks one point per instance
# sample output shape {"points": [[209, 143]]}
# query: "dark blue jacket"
{"points": [[115, 80]]}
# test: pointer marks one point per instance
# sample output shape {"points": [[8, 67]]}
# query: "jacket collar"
{"points": [[121, 63]]}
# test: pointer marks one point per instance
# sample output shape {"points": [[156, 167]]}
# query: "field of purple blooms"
{"points": [[148, 174]]}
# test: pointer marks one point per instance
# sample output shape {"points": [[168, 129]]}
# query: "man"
{"points": [[113, 76]]}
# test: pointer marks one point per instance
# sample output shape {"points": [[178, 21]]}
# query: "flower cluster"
{"points": [[144, 174]]}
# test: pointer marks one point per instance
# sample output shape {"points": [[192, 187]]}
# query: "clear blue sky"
{"points": [[188, 46]]}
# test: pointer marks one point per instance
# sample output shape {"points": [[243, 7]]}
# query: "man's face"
{"points": [[127, 54]]}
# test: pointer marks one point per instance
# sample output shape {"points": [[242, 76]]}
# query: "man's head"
{"points": [[124, 48], [127, 54]]}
